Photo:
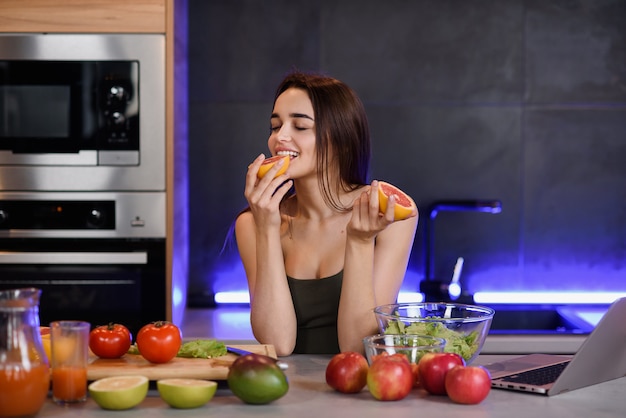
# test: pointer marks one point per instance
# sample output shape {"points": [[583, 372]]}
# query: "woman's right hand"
{"points": [[264, 195]]}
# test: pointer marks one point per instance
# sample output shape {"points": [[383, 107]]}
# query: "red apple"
{"points": [[414, 367], [416, 375], [390, 378], [347, 372], [433, 368], [468, 385]]}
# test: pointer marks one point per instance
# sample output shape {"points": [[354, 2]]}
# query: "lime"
{"points": [[120, 392], [186, 393]]}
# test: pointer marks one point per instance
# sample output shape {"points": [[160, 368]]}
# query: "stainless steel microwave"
{"points": [[82, 112], [70, 106]]}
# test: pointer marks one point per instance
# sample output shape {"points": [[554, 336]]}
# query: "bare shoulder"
{"points": [[244, 221]]}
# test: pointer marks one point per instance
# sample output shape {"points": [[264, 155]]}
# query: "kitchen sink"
{"points": [[524, 319], [523, 329]]}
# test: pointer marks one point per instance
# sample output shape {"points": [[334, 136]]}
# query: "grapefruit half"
{"points": [[119, 392], [405, 206], [186, 393], [270, 162]]}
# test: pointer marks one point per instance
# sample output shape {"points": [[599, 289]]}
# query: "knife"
{"points": [[281, 364]]}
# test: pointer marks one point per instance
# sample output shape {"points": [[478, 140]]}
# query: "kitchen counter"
{"points": [[309, 396]]}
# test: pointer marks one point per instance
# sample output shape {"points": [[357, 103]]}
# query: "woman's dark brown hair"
{"points": [[342, 140], [342, 133]]}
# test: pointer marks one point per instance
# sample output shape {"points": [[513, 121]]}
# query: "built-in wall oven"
{"points": [[82, 174]]}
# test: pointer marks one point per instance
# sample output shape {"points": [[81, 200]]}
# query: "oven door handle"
{"points": [[13, 257]]}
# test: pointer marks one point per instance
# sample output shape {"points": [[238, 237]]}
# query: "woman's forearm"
{"points": [[355, 318], [373, 274], [272, 314]]}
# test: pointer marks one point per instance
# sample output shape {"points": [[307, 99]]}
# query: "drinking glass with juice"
{"points": [[70, 352]]}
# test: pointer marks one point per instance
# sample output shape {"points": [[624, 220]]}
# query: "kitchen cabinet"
{"points": [[112, 17], [85, 16]]}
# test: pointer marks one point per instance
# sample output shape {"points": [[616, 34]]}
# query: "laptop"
{"points": [[601, 357]]}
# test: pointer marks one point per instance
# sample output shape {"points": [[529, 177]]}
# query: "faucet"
{"points": [[435, 288]]}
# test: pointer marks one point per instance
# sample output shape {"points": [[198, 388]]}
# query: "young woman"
{"points": [[317, 253]]}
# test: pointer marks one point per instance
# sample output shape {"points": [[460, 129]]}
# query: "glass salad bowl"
{"points": [[463, 327]]}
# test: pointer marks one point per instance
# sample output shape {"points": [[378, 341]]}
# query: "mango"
{"points": [[256, 379]]}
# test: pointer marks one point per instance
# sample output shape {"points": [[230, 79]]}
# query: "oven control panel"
{"points": [[57, 214]]}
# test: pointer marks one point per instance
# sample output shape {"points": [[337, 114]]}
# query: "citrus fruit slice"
{"points": [[62, 347], [269, 163], [404, 204], [45, 341], [120, 392], [186, 393]]}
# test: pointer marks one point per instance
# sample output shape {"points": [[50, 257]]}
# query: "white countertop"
{"points": [[309, 396]]}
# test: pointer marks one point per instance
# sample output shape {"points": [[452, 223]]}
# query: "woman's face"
{"points": [[292, 131]]}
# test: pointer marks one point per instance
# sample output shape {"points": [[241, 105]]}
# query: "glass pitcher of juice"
{"points": [[24, 367]]}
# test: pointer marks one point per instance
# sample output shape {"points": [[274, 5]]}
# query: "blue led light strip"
{"points": [[532, 298], [554, 298]]}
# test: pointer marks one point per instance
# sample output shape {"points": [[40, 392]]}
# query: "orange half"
{"points": [[45, 341]]}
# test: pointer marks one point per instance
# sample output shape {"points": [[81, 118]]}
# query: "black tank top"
{"points": [[316, 303]]}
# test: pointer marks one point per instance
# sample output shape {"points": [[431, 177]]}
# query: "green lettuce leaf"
{"points": [[456, 342], [202, 349]]}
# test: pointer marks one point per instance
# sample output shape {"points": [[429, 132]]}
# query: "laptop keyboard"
{"points": [[539, 377]]}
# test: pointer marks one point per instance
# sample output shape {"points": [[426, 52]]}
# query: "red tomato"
{"points": [[110, 341], [347, 372], [159, 342], [433, 368], [468, 385]]}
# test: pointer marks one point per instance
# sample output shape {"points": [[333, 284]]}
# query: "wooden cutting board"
{"points": [[189, 368]]}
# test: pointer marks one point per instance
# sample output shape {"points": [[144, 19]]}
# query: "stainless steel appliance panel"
{"points": [[96, 280], [137, 214], [72, 172]]}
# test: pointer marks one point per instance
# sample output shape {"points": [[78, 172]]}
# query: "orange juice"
{"points": [[69, 383], [22, 391]]}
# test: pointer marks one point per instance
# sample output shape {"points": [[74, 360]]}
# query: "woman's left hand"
{"points": [[367, 221]]}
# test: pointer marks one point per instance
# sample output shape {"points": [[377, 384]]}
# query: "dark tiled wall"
{"points": [[521, 101]]}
